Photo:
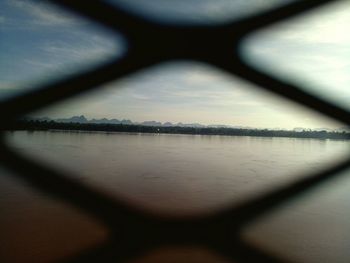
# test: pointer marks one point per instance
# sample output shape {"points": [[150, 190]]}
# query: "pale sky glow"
{"points": [[188, 92], [313, 50], [38, 43]]}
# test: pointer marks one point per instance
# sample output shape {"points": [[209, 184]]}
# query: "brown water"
{"points": [[187, 175]]}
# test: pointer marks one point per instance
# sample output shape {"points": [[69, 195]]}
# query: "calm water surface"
{"points": [[187, 175]]}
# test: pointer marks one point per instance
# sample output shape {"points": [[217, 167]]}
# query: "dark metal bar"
{"points": [[133, 232]]}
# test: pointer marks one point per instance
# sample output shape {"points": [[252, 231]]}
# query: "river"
{"points": [[179, 175]]}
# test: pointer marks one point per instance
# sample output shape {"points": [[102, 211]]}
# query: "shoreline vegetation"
{"points": [[44, 125]]}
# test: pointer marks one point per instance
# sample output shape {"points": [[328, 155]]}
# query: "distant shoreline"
{"points": [[33, 125]]}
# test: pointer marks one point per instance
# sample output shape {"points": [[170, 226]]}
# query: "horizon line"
{"points": [[186, 124]]}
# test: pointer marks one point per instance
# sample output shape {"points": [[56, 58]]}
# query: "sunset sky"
{"points": [[39, 42]]}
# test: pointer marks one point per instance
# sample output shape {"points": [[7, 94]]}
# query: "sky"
{"points": [[39, 42]]}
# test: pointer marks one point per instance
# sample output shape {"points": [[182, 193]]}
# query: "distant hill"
{"points": [[83, 120]]}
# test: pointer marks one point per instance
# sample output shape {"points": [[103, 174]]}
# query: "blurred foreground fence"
{"points": [[134, 232]]}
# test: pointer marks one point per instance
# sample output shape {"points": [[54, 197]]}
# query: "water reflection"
{"points": [[179, 175]]}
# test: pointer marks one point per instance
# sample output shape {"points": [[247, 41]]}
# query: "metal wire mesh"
{"points": [[134, 232]]}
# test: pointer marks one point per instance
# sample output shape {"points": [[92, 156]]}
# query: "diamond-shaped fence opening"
{"points": [[134, 233], [149, 170]]}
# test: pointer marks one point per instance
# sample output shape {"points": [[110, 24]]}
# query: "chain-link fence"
{"points": [[149, 43]]}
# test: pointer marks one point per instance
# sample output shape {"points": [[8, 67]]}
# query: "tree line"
{"points": [[134, 128]]}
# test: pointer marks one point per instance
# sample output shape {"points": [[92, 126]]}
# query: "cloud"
{"points": [[198, 11], [183, 91], [45, 14], [165, 94], [40, 42], [87, 50], [326, 25], [313, 51]]}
